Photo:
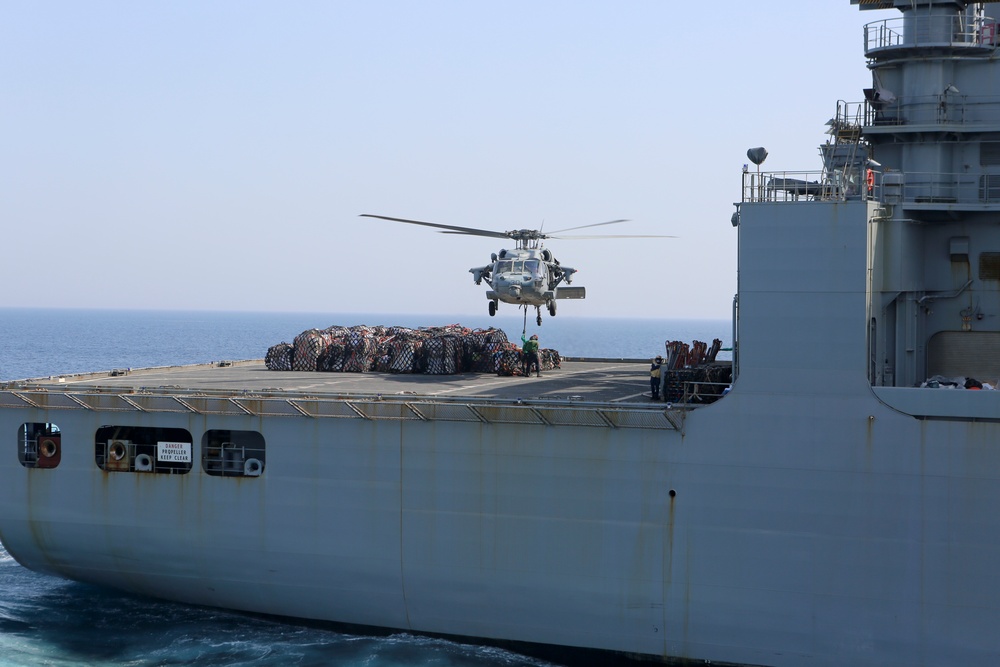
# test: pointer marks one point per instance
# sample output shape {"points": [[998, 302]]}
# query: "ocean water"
{"points": [[52, 622], [39, 343]]}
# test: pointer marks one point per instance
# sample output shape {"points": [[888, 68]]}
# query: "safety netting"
{"points": [[442, 350], [279, 357]]}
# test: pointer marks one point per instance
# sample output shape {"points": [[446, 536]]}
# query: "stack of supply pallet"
{"points": [[442, 350]]}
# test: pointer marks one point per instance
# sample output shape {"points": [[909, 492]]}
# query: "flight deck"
{"points": [[596, 380]]}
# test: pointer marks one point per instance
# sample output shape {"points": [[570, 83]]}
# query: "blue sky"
{"points": [[216, 155]]}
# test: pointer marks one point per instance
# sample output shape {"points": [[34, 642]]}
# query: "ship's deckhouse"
{"points": [[922, 149]]}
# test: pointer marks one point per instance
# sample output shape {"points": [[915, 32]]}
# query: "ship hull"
{"points": [[766, 531]]}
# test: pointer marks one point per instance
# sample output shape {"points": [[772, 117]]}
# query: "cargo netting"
{"points": [[443, 350]]}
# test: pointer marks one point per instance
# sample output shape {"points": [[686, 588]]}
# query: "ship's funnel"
{"points": [[757, 155]]}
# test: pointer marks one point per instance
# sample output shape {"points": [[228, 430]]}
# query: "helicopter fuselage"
{"points": [[526, 277]]}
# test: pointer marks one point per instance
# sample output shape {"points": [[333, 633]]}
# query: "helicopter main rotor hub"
{"points": [[526, 238]]}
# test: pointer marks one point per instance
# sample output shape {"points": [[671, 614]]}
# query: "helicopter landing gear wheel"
{"points": [[552, 308], [493, 308]]}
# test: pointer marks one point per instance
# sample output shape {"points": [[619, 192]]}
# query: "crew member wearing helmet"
{"points": [[530, 355], [654, 378]]}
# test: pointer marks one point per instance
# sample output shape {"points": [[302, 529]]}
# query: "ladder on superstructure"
{"points": [[846, 131]]}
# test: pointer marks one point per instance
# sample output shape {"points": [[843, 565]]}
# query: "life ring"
{"points": [[144, 463], [870, 179], [253, 467]]}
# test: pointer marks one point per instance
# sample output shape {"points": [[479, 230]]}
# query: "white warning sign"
{"points": [[173, 452]]}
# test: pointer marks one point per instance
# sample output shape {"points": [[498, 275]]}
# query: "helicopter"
{"points": [[528, 275]]}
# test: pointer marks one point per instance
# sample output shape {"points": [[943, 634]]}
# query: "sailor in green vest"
{"points": [[530, 355]]}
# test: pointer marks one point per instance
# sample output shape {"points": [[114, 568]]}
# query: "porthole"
{"points": [[141, 449], [39, 445], [229, 453]]}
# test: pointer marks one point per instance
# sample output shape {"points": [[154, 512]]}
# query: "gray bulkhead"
{"points": [[855, 517]]}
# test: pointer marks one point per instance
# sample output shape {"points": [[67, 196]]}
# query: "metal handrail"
{"points": [[945, 187], [943, 108], [908, 187], [692, 391], [485, 409], [793, 186], [930, 30]]}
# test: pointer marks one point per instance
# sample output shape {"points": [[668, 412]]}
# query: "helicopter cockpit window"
{"points": [[505, 266], [534, 267]]}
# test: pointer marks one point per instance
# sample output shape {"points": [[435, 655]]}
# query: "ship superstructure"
{"points": [[837, 507], [933, 122]]}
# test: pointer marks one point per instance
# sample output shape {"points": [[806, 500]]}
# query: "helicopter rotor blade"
{"points": [[454, 228], [596, 224], [614, 236]]}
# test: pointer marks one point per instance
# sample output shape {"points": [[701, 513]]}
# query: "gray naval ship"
{"points": [[839, 506]]}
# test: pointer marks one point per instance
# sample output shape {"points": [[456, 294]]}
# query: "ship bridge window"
{"points": [[229, 453], [143, 449], [39, 445]]}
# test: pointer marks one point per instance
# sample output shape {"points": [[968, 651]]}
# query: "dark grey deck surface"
{"points": [[605, 380]]}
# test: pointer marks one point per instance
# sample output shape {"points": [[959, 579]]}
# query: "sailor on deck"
{"points": [[530, 350], [654, 378]]}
